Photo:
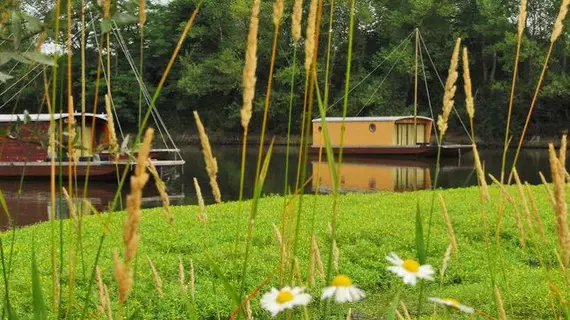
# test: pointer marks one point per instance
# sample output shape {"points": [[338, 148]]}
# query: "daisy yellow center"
{"points": [[284, 296], [341, 281], [452, 301], [411, 265]]}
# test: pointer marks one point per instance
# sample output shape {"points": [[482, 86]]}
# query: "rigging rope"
{"points": [[75, 35], [122, 44], [443, 86], [374, 70], [155, 114], [106, 81], [22, 89], [428, 94], [383, 80]]}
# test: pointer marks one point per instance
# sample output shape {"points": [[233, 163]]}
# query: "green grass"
{"points": [[370, 226]]}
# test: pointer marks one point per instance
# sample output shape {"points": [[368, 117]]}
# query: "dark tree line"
{"points": [[207, 75]]}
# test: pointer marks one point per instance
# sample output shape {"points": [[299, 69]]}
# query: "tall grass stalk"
{"points": [[560, 207], [253, 212], [248, 83], [556, 32], [447, 106], [155, 97], [277, 15], [54, 281], [336, 190], [296, 16], [142, 20], [521, 26], [311, 54]]}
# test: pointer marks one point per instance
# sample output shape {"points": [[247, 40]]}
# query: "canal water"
{"points": [[361, 174]]}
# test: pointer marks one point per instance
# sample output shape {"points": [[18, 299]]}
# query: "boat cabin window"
{"points": [[372, 127]]}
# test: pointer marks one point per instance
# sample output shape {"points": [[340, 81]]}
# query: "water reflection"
{"points": [[32, 203], [373, 175], [364, 174]]}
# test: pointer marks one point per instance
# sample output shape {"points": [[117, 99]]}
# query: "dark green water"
{"points": [[403, 173], [32, 204]]}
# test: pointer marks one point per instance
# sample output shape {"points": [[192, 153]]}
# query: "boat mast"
{"points": [[416, 89]]}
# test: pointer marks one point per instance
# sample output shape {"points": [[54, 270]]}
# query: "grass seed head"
{"points": [[277, 12], [250, 66], [560, 206], [559, 24], [113, 144], [202, 216], [446, 259], [500, 305], [562, 153], [142, 15], [469, 102], [181, 278], [211, 163], [296, 20], [124, 278], [161, 188], [448, 226], [480, 174], [522, 18], [450, 89], [156, 277], [310, 36]]}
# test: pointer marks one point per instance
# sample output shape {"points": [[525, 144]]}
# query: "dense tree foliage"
{"points": [[207, 76]]}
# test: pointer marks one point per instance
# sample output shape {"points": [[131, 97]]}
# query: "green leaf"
{"points": [[135, 314], [35, 24], [37, 295], [106, 26], [420, 245], [5, 57], [230, 290], [391, 313], [50, 17], [4, 77], [39, 58], [16, 23], [125, 18], [264, 169]]}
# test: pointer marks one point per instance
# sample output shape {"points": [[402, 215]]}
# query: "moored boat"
{"points": [[24, 147], [383, 136]]}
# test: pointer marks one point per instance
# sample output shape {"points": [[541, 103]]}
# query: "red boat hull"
{"points": [[419, 150]]}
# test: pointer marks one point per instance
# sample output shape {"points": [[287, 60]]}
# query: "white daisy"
{"points": [[276, 301], [343, 290], [410, 270], [452, 303]]}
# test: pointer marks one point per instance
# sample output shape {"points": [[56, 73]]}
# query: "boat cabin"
{"points": [[375, 131], [25, 137]]}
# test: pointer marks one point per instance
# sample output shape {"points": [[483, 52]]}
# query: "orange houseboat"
{"points": [[395, 136], [24, 147]]}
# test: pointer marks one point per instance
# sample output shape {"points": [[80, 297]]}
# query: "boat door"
{"points": [[407, 136]]}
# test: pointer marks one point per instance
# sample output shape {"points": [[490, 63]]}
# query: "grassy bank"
{"points": [[370, 227]]}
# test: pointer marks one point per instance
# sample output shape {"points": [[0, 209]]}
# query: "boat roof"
{"points": [[371, 119], [42, 117]]}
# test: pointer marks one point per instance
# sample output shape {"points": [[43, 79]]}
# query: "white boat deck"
{"points": [[157, 163]]}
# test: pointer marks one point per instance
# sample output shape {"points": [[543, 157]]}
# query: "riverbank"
{"points": [[231, 139], [370, 226]]}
